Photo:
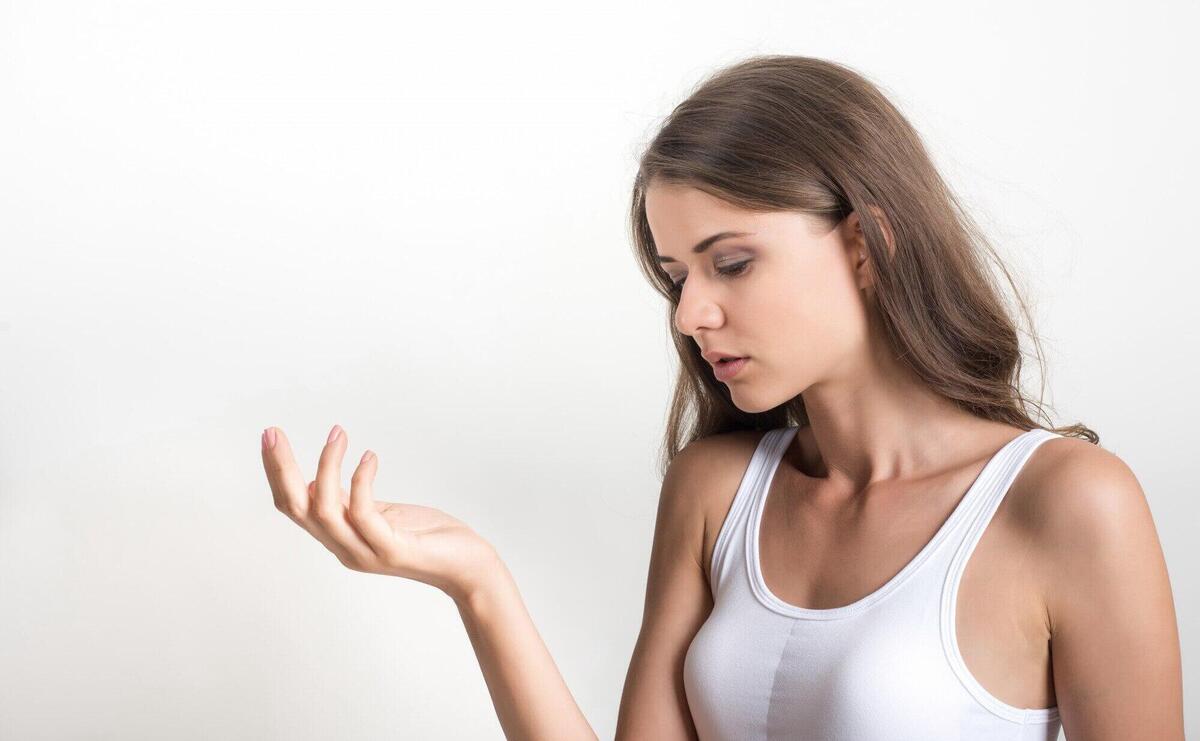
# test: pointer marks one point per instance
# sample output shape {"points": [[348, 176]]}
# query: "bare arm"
{"points": [[678, 599], [1114, 640], [423, 543], [428, 545], [529, 694], [531, 699]]}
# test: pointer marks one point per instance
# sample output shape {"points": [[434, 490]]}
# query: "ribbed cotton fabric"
{"points": [[884, 668]]}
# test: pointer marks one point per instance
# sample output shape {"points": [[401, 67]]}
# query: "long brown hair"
{"points": [[778, 132]]}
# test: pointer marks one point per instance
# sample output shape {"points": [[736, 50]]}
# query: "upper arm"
{"points": [[678, 601], [1114, 641]]}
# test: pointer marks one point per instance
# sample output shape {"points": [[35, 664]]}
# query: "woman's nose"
{"points": [[696, 310]]}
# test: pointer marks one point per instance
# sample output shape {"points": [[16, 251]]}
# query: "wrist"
{"points": [[486, 583]]}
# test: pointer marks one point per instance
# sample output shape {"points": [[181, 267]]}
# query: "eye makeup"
{"points": [[730, 271]]}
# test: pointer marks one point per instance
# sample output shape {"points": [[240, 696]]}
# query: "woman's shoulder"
{"points": [[707, 473], [718, 457], [1103, 578], [1068, 477], [1075, 500]]}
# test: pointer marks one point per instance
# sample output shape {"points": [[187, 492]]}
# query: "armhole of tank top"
{"points": [[739, 502], [976, 525]]}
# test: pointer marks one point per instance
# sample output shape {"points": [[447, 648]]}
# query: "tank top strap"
{"points": [[995, 481], [767, 455]]}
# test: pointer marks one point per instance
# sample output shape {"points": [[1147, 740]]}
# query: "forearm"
{"points": [[531, 699]]}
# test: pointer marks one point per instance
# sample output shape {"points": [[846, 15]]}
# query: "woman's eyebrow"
{"points": [[707, 242]]}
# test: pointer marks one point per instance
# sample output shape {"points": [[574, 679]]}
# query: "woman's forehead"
{"points": [[683, 225]]}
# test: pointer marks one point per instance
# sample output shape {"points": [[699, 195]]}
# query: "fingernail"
{"points": [[365, 458], [268, 438], [333, 434]]}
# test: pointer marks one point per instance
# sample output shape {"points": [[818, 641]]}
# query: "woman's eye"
{"points": [[735, 269], [729, 270]]}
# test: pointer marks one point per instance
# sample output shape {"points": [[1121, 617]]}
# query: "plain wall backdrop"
{"points": [[218, 216]]}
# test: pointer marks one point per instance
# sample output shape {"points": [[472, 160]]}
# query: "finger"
{"points": [[312, 490], [365, 515], [292, 497], [287, 485], [329, 470], [329, 512]]}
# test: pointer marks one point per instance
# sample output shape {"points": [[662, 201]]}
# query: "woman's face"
{"points": [[794, 308]]}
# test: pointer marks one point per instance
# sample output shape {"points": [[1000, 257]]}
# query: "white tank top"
{"points": [[885, 667]]}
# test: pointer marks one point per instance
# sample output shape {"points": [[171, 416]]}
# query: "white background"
{"points": [[219, 216]]}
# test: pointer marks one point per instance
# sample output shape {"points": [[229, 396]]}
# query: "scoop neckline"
{"points": [[770, 600]]}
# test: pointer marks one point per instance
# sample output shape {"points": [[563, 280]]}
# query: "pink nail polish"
{"points": [[333, 434]]}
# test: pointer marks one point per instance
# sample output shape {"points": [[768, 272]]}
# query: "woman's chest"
{"points": [[822, 558]]}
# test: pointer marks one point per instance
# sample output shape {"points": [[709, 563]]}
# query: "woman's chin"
{"points": [[751, 403]]}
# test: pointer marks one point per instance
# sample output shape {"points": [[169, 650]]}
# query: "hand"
{"points": [[407, 540]]}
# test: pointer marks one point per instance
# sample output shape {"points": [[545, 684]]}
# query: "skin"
{"points": [[1065, 601]]}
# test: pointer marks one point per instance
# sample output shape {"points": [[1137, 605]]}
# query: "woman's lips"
{"points": [[725, 370]]}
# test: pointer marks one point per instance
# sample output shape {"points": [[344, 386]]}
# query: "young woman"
{"points": [[861, 534]]}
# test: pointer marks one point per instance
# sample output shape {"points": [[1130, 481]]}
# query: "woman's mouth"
{"points": [[726, 368]]}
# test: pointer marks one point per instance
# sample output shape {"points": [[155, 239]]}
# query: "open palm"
{"points": [[396, 539]]}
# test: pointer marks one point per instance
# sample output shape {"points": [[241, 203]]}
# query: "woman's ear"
{"points": [[856, 240], [856, 250]]}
